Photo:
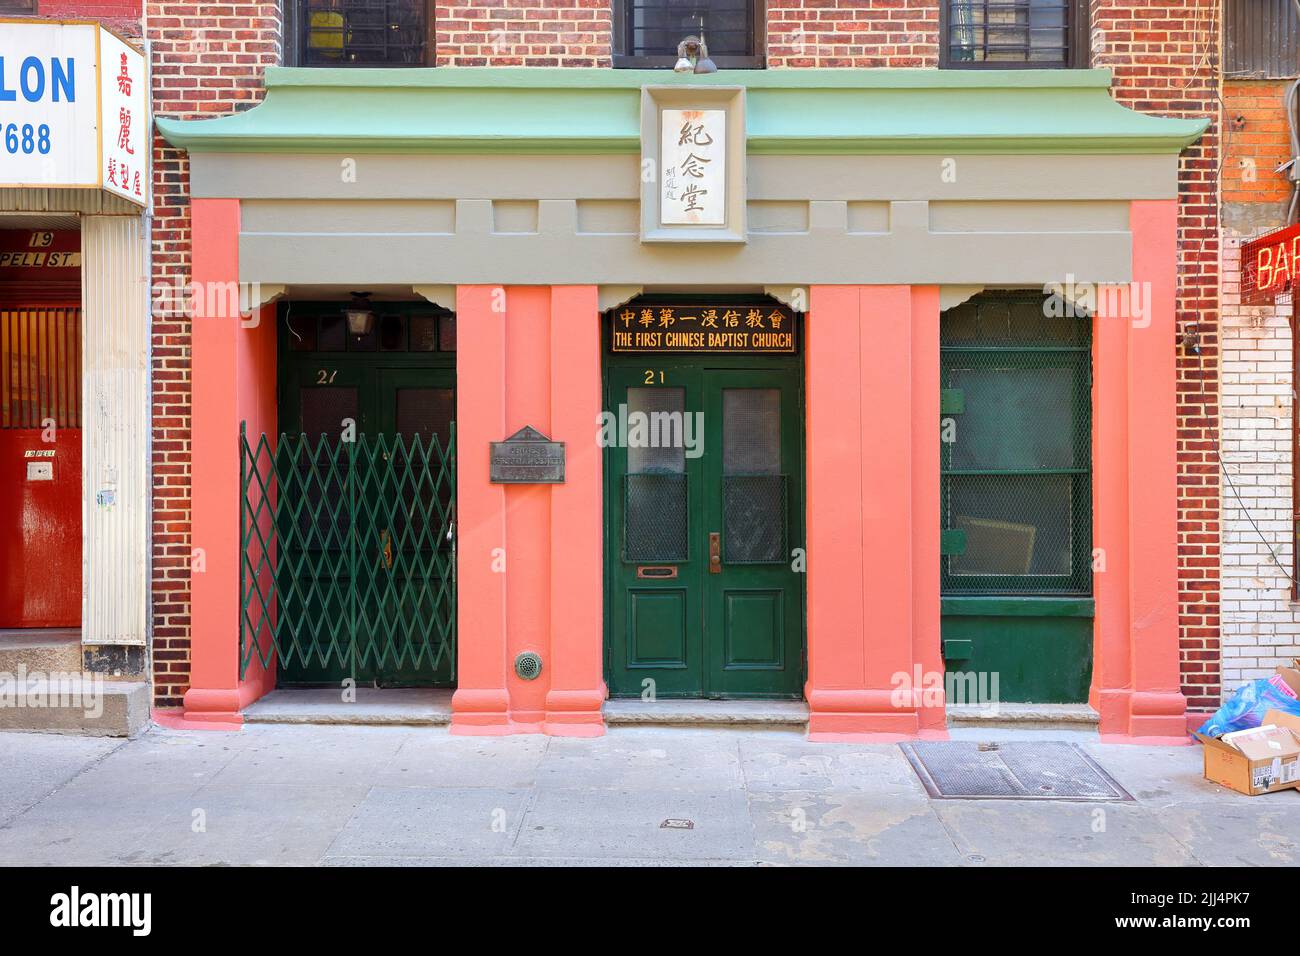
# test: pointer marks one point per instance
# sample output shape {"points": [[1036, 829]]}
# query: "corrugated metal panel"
{"points": [[89, 201], [40, 377], [1261, 38], [115, 451]]}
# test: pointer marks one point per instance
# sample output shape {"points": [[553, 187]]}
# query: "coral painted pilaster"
{"points": [[1136, 659], [873, 490]]}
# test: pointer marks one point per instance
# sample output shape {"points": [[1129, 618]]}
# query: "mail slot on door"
{"points": [[40, 471]]}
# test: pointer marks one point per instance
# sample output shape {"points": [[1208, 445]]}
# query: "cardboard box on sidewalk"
{"points": [[1291, 675], [1256, 761]]}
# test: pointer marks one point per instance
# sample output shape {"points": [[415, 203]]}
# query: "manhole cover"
{"points": [[1043, 770]]}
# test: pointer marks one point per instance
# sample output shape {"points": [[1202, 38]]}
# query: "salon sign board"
{"points": [[74, 109]]}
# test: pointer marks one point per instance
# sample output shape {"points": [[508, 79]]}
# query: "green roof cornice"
{"points": [[789, 111]]}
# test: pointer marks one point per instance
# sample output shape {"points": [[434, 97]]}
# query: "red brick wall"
{"points": [[849, 33], [1165, 56], [206, 61], [524, 33], [1257, 142]]}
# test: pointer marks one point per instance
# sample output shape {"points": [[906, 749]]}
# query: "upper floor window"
{"points": [[646, 32], [359, 32], [18, 6], [1261, 39], [1014, 34]]}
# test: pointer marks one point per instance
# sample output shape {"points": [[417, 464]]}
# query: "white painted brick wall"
{"points": [[1260, 625]]}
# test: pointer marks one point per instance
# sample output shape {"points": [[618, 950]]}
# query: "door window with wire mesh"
{"points": [[1002, 34], [753, 488], [646, 32], [1016, 449], [359, 32], [654, 488]]}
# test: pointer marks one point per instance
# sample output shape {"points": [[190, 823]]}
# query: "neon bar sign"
{"points": [[1270, 266]]}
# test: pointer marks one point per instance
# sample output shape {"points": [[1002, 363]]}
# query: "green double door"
{"points": [[704, 524], [370, 548]]}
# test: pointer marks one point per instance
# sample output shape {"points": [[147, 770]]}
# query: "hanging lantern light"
{"points": [[360, 317]]}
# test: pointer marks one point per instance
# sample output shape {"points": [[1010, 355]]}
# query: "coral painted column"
{"points": [[233, 380], [873, 491], [480, 704], [575, 701], [1136, 685], [528, 556]]}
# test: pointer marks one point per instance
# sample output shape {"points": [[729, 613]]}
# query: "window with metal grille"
{"points": [[1016, 447], [359, 32], [40, 368], [646, 32], [1010, 34], [1261, 39]]}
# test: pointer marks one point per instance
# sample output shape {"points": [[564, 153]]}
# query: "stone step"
{"points": [[374, 706], [51, 650], [85, 704], [771, 714], [1025, 716]]}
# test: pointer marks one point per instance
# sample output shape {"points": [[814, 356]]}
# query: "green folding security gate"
{"points": [[349, 563]]}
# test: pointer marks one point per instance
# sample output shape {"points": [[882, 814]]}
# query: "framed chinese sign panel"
{"points": [[693, 164], [722, 327], [74, 108]]}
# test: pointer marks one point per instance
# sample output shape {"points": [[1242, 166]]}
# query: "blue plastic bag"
{"points": [[1247, 708]]}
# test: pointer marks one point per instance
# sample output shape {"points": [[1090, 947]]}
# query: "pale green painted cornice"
{"points": [[579, 110]]}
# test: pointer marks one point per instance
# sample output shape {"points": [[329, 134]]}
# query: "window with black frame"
{"points": [[1011, 34], [361, 33], [646, 32]]}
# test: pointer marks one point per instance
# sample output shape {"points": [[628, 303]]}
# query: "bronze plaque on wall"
{"points": [[722, 329], [526, 458]]}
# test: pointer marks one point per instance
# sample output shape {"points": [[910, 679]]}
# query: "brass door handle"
{"points": [[715, 553], [386, 542]]}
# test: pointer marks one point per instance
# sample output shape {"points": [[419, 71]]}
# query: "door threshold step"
{"points": [[781, 714], [49, 649], [74, 704], [1024, 716], [374, 706]]}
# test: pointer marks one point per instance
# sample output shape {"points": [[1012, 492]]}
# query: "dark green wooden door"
{"points": [[378, 570], [704, 509]]}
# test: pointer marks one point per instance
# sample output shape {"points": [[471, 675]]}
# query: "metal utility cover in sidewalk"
{"points": [[1041, 770]]}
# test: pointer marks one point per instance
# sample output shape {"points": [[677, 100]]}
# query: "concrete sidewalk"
{"points": [[277, 794]]}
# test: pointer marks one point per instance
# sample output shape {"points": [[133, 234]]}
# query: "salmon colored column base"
{"points": [[234, 380], [529, 557], [872, 357], [1136, 683]]}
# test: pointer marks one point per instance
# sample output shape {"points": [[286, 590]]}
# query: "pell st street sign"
{"points": [[74, 109]]}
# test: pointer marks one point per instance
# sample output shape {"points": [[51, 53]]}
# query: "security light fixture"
{"points": [[693, 56]]}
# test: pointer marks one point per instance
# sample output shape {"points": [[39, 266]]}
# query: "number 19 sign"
{"points": [[74, 109]]}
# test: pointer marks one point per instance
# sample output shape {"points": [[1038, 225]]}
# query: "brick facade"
{"points": [[849, 33], [1261, 625], [1165, 57], [524, 33], [208, 61]]}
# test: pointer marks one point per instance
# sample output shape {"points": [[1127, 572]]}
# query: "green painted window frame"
{"points": [[1048, 350]]}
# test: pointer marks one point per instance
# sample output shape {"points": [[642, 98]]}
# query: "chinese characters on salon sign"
{"points": [[74, 109], [693, 156]]}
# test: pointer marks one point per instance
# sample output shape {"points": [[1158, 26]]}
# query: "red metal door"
{"points": [[40, 468]]}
